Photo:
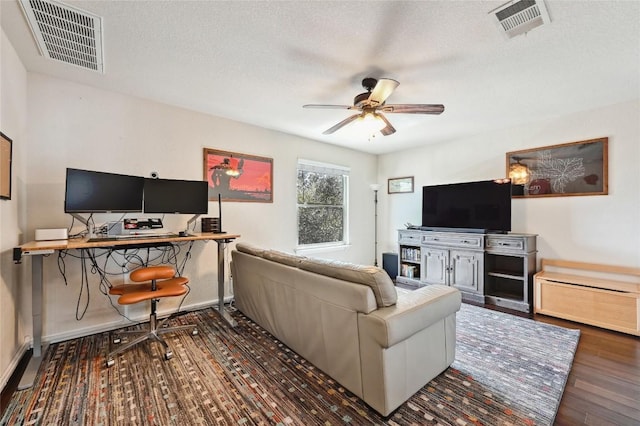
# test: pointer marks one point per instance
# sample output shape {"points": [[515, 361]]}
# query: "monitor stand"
{"points": [[86, 222]]}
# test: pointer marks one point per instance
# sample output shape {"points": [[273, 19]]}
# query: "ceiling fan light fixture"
{"points": [[371, 122], [372, 101]]}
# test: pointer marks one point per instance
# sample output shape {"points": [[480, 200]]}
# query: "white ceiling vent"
{"points": [[519, 17], [65, 33]]}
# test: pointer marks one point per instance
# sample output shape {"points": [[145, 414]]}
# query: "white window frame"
{"points": [[327, 168]]}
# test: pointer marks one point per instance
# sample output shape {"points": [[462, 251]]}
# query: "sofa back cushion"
{"points": [[284, 258], [374, 277], [250, 249]]}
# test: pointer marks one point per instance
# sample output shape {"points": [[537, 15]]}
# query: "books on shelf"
{"points": [[410, 254], [409, 271]]}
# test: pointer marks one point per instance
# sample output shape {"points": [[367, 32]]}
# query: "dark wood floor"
{"points": [[603, 387], [604, 384]]}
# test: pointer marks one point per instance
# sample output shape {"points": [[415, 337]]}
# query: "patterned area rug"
{"points": [[508, 371]]}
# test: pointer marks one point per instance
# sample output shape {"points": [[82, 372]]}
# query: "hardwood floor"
{"points": [[603, 387], [604, 384]]}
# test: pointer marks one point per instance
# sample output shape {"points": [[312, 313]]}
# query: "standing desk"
{"points": [[38, 249]]}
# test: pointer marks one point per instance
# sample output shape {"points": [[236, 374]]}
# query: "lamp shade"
{"points": [[519, 174]]}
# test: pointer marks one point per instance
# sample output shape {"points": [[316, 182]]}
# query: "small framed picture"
{"points": [[400, 185], [5, 166]]}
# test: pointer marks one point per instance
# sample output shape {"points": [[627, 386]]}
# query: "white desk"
{"points": [[37, 249]]}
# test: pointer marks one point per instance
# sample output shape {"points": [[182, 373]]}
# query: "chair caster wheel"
{"points": [[195, 331], [110, 362], [117, 340], [168, 355]]}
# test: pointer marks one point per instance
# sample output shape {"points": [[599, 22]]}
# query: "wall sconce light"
{"points": [[519, 173]]}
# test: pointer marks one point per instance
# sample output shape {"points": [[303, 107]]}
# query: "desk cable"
{"points": [[130, 257]]}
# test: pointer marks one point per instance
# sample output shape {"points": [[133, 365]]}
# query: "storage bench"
{"points": [[602, 295]]}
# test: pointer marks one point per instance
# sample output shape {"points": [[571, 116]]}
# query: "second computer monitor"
{"points": [[176, 196]]}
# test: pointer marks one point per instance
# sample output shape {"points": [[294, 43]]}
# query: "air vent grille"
{"points": [[519, 17], [65, 33]]}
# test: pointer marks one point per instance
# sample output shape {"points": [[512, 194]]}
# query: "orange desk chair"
{"points": [[155, 282]]}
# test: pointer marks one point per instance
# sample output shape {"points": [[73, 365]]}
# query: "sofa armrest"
{"points": [[413, 312]]}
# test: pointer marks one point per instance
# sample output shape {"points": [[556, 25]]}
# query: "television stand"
{"points": [[491, 268]]}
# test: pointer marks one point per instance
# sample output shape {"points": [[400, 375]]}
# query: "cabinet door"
{"points": [[466, 270], [435, 266]]}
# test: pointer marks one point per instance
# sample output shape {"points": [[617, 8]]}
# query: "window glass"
{"points": [[322, 203]]}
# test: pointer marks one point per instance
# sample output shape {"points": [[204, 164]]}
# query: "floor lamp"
{"points": [[375, 187]]}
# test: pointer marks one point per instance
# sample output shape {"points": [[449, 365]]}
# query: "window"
{"points": [[322, 204]]}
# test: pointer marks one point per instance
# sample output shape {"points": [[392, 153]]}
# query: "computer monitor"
{"points": [[176, 196], [89, 191]]}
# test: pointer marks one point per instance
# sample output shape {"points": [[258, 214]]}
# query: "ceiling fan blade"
{"points": [[388, 129], [414, 108], [328, 106], [384, 88], [341, 124]]}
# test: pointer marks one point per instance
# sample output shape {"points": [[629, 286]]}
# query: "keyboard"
{"points": [[145, 235]]}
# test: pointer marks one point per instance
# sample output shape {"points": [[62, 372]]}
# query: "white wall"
{"points": [[13, 117], [72, 125], [57, 124], [603, 228]]}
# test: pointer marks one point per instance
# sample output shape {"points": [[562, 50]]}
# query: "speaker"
{"points": [[390, 264], [210, 224]]}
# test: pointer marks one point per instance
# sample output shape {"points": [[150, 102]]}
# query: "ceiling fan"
{"points": [[371, 105]]}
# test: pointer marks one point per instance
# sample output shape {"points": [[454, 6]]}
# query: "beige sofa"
{"points": [[380, 342]]}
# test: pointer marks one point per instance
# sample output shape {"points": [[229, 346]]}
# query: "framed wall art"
{"points": [[576, 168], [400, 185], [6, 146], [238, 177]]}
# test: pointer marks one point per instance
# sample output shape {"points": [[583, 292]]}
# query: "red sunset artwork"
{"points": [[238, 177]]}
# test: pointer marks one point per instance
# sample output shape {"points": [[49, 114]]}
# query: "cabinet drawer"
{"points": [[454, 240], [511, 243], [409, 238], [615, 310], [505, 243]]}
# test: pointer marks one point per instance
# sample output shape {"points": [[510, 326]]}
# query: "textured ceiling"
{"points": [[259, 61]]}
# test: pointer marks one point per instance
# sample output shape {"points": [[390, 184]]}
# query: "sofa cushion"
{"points": [[284, 258], [250, 249], [372, 276]]}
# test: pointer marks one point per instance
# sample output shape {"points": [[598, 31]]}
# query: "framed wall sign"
{"points": [[5, 166], [400, 185], [576, 168], [238, 177]]}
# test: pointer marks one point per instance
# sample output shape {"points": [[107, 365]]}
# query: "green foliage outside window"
{"points": [[321, 208]]}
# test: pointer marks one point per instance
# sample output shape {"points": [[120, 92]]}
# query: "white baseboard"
{"points": [[87, 331], [6, 375]]}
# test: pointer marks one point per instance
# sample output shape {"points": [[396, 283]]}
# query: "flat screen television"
{"points": [[176, 196], [483, 206], [89, 191]]}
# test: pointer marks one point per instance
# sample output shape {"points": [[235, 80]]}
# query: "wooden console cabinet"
{"points": [[487, 268], [602, 295]]}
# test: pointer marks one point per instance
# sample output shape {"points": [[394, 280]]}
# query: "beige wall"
{"points": [[57, 124], [602, 229], [72, 125], [13, 300]]}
